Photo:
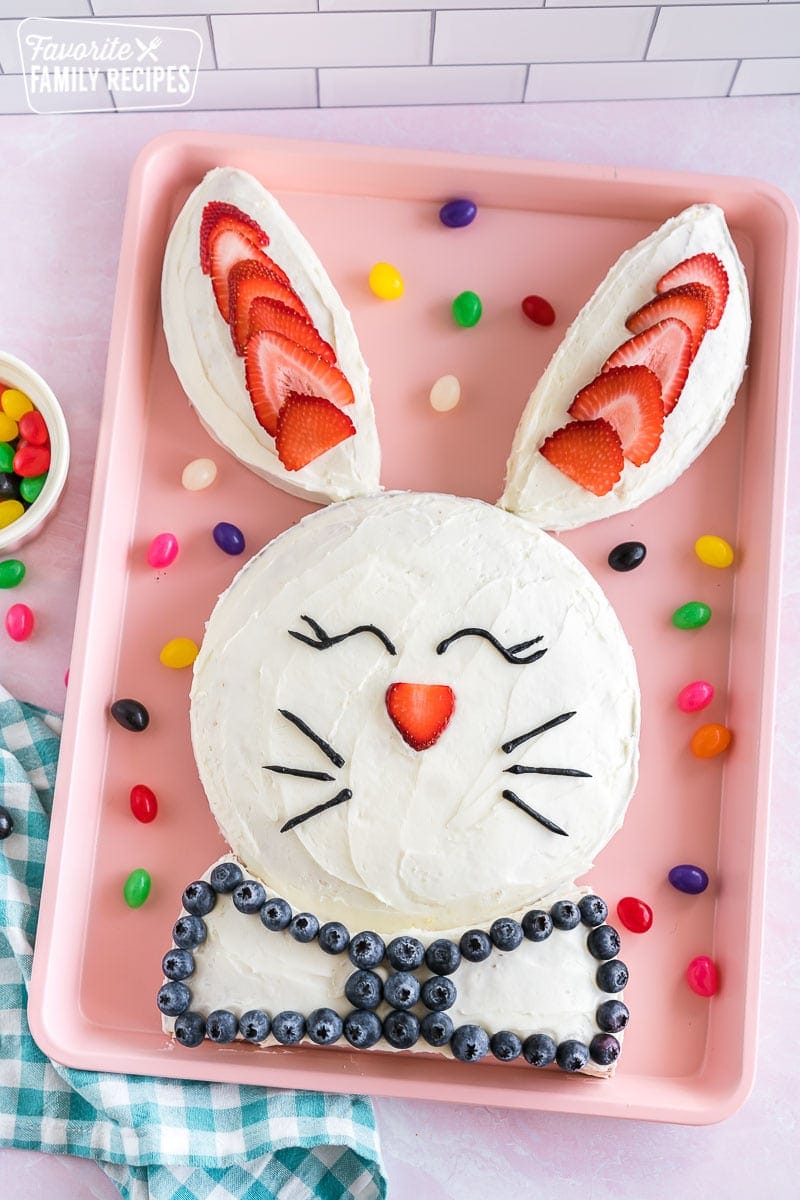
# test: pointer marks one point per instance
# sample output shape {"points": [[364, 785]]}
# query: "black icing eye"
{"points": [[513, 654], [323, 641]]}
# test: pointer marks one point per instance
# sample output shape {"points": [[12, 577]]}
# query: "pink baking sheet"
{"points": [[552, 229]]}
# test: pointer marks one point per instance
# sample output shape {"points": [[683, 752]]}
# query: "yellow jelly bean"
{"points": [[8, 428], [714, 551], [15, 403], [179, 652], [10, 510], [386, 281]]}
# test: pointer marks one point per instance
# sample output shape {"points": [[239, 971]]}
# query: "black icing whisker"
{"points": [[508, 747], [339, 798], [322, 775], [537, 816], [323, 640], [518, 769], [512, 654], [300, 724]]}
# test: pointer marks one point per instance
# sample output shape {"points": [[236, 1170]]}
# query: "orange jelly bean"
{"points": [[710, 740]]}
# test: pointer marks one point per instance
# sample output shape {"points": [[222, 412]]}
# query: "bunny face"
{"points": [[415, 709]]}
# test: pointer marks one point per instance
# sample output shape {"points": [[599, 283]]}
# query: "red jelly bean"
{"points": [[19, 622], [144, 804], [33, 428], [163, 550], [635, 914], [695, 696], [32, 460], [702, 976], [538, 310]]}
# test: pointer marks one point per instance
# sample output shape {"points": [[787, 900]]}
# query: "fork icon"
{"points": [[148, 49]]}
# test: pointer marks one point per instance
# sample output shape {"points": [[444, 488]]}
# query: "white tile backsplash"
{"points": [[727, 31], [542, 35], [254, 89], [767, 77], [629, 81], [421, 85], [323, 40]]}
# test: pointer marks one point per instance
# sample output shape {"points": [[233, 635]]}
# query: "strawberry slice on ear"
{"points": [[690, 303], [707, 270], [227, 216], [226, 248], [307, 427], [629, 398], [276, 367], [420, 712], [666, 348], [272, 316], [248, 280], [588, 452]]}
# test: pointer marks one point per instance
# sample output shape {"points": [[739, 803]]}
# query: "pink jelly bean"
{"points": [[695, 696], [163, 550], [702, 977], [19, 622]]}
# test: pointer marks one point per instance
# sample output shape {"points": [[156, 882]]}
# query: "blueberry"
{"points": [[436, 1028], [539, 1050], [475, 945], [401, 1029], [612, 976], [333, 938], [366, 950], [469, 1043], [505, 1045], [221, 1026], [612, 1016], [177, 964], [362, 1029], [303, 928], [603, 942], [506, 934], [537, 925], [225, 877], [254, 1025], [6, 824], [248, 896], [401, 990], [443, 957], [405, 953], [604, 1049], [572, 1055], [438, 993], [173, 999], [593, 910], [275, 914], [565, 914], [364, 989], [189, 932], [288, 1028], [199, 898], [324, 1026], [190, 1029]]}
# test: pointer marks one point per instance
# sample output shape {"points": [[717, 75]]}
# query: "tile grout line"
{"points": [[210, 27], [316, 84], [433, 37], [656, 15], [526, 82], [733, 77]]}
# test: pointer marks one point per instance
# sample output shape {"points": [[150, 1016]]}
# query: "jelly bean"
{"points": [[635, 914], [15, 403], [445, 393], [687, 878], [692, 615], [695, 696], [229, 537], [198, 474], [66, 677], [31, 488], [627, 556], [6, 457], [6, 824], [32, 427], [9, 430], [467, 309], [9, 486], [130, 714], [710, 740], [538, 310], [458, 213], [19, 622], [702, 976], [163, 550], [712, 550], [179, 652], [386, 281], [32, 460], [137, 888], [12, 573], [10, 510], [144, 804]]}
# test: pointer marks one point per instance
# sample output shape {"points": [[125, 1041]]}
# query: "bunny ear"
{"points": [[263, 345], [642, 382]]}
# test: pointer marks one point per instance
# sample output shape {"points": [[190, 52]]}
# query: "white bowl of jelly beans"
{"points": [[34, 452]]}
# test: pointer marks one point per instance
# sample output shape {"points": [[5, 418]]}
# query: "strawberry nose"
{"points": [[420, 712]]}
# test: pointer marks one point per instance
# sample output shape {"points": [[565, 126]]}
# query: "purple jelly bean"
{"points": [[229, 537], [458, 213], [163, 550], [695, 696], [687, 878]]}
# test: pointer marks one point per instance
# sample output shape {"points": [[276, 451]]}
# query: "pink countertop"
{"points": [[61, 207]]}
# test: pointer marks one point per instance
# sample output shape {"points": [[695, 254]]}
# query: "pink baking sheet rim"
{"points": [[60, 1025]]}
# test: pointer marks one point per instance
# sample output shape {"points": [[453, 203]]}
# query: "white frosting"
{"points": [[540, 492], [212, 374]]}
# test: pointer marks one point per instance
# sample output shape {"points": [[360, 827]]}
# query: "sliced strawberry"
{"points": [[589, 452], [226, 248], [275, 367], [227, 216], [666, 348], [629, 398], [707, 270], [690, 303], [307, 427], [420, 712], [247, 281], [273, 316]]}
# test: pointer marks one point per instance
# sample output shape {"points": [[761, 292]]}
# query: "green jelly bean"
{"points": [[137, 888], [692, 615], [467, 309], [12, 572], [30, 487], [7, 453]]}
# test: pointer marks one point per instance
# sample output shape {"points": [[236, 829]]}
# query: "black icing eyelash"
{"points": [[512, 654], [323, 640]]}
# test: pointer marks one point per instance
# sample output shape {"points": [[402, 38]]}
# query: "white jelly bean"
{"points": [[198, 474], [445, 393]]}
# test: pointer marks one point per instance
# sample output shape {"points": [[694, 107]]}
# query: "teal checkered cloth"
{"points": [[157, 1138]]}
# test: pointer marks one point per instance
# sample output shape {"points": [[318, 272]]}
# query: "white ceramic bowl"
{"points": [[17, 374]]}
